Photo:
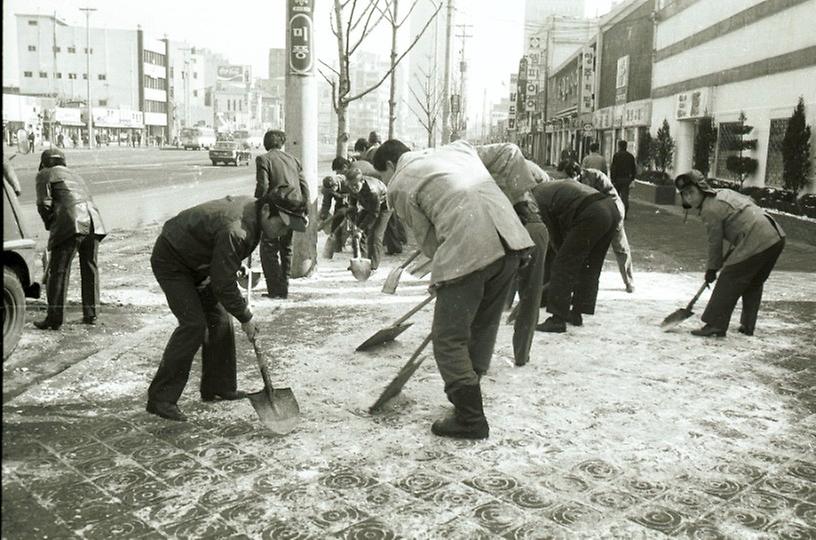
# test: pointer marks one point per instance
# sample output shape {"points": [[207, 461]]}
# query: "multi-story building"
{"points": [[624, 76], [193, 77], [128, 73], [718, 58]]}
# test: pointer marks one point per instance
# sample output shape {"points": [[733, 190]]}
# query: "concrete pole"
{"points": [[301, 121], [88, 69], [446, 106]]}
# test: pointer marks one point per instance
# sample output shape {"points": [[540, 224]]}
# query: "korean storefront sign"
{"points": [[622, 80], [637, 113], [587, 80], [693, 104], [118, 118], [301, 38]]}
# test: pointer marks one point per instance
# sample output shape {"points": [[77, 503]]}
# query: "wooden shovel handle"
{"points": [[410, 259], [705, 284], [412, 311]]}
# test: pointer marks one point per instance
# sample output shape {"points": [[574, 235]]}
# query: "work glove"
{"points": [[250, 329], [710, 275]]}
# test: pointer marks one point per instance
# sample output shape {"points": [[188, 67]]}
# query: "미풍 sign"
{"points": [[301, 38]]}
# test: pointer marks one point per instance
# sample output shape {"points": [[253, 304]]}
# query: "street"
{"points": [[614, 429]]}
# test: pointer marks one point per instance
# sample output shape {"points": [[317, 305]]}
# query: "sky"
{"points": [[245, 35]]}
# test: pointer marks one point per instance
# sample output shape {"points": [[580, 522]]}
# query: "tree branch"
{"points": [[329, 66]]}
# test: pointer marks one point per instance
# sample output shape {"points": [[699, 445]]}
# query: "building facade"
{"points": [[693, 79]]}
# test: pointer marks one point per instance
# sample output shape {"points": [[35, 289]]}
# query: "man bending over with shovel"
{"points": [[196, 260], [757, 241], [468, 227]]}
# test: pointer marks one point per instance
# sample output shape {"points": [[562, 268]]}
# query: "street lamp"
{"points": [[88, 11]]}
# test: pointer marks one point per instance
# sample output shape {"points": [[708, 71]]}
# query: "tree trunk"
{"points": [[392, 103], [342, 130]]}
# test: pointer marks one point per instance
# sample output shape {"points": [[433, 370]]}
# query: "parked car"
{"points": [[248, 139], [197, 138], [229, 152], [19, 281]]}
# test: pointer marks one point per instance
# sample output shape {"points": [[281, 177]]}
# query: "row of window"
{"points": [[71, 50], [155, 58], [155, 106], [155, 83], [58, 75]]}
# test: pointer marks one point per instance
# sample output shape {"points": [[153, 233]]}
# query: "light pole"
{"points": [[88, 11]]}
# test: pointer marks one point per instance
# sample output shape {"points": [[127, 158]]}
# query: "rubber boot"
{"points": [[468, 420]]}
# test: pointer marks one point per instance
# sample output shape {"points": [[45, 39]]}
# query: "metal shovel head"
{"points": [[243, 279], [384, 336], [279, 413], [360, 268], [405, 373], [391, 282], [328, 248], [676, 318]]}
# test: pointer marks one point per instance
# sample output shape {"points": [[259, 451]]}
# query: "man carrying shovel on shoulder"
{"points": [[463, 222], [196, 260]]}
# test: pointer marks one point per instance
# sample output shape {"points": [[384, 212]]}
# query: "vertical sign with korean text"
{"points": [[587, 80], [622, 80], [301, 38]]}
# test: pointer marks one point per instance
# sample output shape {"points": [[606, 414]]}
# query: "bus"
{"points": [[197, 138]]}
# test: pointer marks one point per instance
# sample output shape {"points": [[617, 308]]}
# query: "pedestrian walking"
{"points": [[581, 222], [31, 140], [276, 170], [620, 243], [467, 226], [623, 173], [74, 225], [757, 242], [373, 144], [195, 260], [61, 140], [594, 160]]}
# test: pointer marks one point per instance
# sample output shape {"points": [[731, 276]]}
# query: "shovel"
{"points": [[391, 332], [682, 314], [277, 409], [359, 266], [423, 269], [391, 282], [395, 386]]}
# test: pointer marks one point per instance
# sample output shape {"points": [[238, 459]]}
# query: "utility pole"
{"points": [[301, 121], [462, 117], [446, 105], [88, 11], [51, 135]]}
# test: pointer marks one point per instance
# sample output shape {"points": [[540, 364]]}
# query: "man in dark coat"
{"points": [[335, 191], [276, 170], [623, 172], [370, 213], [581, 222], [196, 260], [756, 239], [75, 225]]}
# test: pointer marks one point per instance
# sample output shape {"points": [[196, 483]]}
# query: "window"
{"points": [[57, 49], [71, 50], [28, 74], [195, 93], [102, 77], [58, 75], [32, 47], [774, 166], [103, 102], [86, 50], [43, 74], [84, 76], [726, 138], [155, 83], [195, 75], [72, 76], [155, 106], [154, 58], [32, 23]]}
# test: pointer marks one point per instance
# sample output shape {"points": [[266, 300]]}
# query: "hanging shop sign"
{"points": [[587, 80], [693, 104], [602, 118], [622, 80], [118, 118], [68, 116], [301, 40], [637, 113]]}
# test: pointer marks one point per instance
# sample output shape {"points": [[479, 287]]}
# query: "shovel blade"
{"points": [[360, 268], [383, 336], [391, 282], [279, 415], [328, 248], [676, 318]]}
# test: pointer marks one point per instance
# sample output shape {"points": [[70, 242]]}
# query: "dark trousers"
{"points": [[338, 230], [374, 238], [395, 236], [59, 274], [466, 320], [202, 323], [276, 262], [623, 191], [531, 284], [744, 279], [579, 260]]}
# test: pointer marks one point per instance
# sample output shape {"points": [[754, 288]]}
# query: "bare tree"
{"points": [[353, 22], [428, 100], [392, 16]]}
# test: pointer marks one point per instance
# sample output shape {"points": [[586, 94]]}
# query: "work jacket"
{"points": [[455, 209], [560, 204], [366, 168], [66, 206], [601, 182], [595, 161], [334, 190], [736, 218], [371, 201], [276, 169], [624, 168], [211, 240]]}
